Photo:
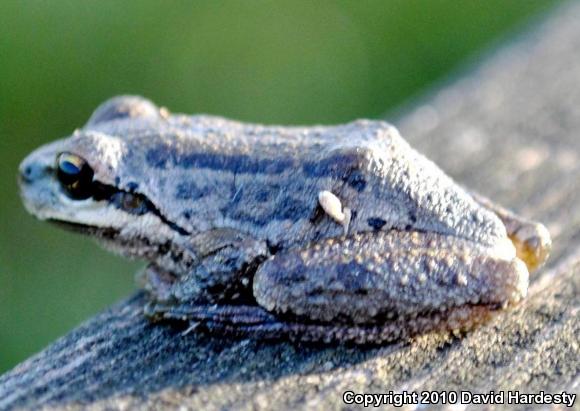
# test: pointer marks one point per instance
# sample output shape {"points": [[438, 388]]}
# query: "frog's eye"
{"points": [[75, 175]]}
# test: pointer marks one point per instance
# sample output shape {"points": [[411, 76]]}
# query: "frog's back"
{"points": [[256, 178], [265, 179]]}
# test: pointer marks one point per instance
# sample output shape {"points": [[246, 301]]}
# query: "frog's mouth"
{"points": [[101, 232]]}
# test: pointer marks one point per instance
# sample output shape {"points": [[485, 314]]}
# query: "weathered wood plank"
{"points": [[509, 130]]}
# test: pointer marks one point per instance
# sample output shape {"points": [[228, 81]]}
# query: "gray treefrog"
{"points": [[325, 233]]}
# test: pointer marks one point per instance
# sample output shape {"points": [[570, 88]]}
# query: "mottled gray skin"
{"points": [[228, 216]]}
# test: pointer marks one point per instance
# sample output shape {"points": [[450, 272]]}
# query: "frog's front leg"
{"points": [[224, 262], [419, 280], [531, 239]]}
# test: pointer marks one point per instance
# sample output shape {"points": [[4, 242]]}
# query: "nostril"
{"points": [[31, 172], [27, 172]]}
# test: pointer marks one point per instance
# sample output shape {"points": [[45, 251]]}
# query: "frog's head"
{"points": [[78, 183]]}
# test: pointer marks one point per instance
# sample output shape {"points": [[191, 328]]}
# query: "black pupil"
{"points": [[75, 175]]}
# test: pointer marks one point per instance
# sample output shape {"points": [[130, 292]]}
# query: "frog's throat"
{"points": [[112, 239]]}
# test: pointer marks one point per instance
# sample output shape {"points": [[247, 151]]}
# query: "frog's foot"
{"points": [[158, 283], [531, 239], [245, 321]]}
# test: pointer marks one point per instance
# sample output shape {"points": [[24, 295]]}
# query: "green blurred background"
{"points": [[295, 62]]}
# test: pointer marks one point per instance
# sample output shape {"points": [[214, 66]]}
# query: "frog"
{"points": [[326, 233]]}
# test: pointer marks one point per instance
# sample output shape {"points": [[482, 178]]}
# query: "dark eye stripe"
{"points": [[76, 178], [133, 203]]}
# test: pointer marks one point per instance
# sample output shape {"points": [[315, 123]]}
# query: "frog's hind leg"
{"points": [[366, 288], [405, 282], [256, 322], [531, 239]]}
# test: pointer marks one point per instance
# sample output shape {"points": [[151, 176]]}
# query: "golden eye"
{"points": [[75, 175]]}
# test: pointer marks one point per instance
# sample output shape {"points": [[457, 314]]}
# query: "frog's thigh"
{"points": [[531, 239], [374, 277]]}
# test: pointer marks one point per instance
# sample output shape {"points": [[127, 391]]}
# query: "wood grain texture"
{"points": [[509, 129]]}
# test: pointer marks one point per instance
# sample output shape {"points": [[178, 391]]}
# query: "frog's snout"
{"points": [[30, 171], [35, 175]]}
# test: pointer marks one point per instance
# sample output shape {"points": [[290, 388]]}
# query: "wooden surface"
{"points": [[509, 129]]}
